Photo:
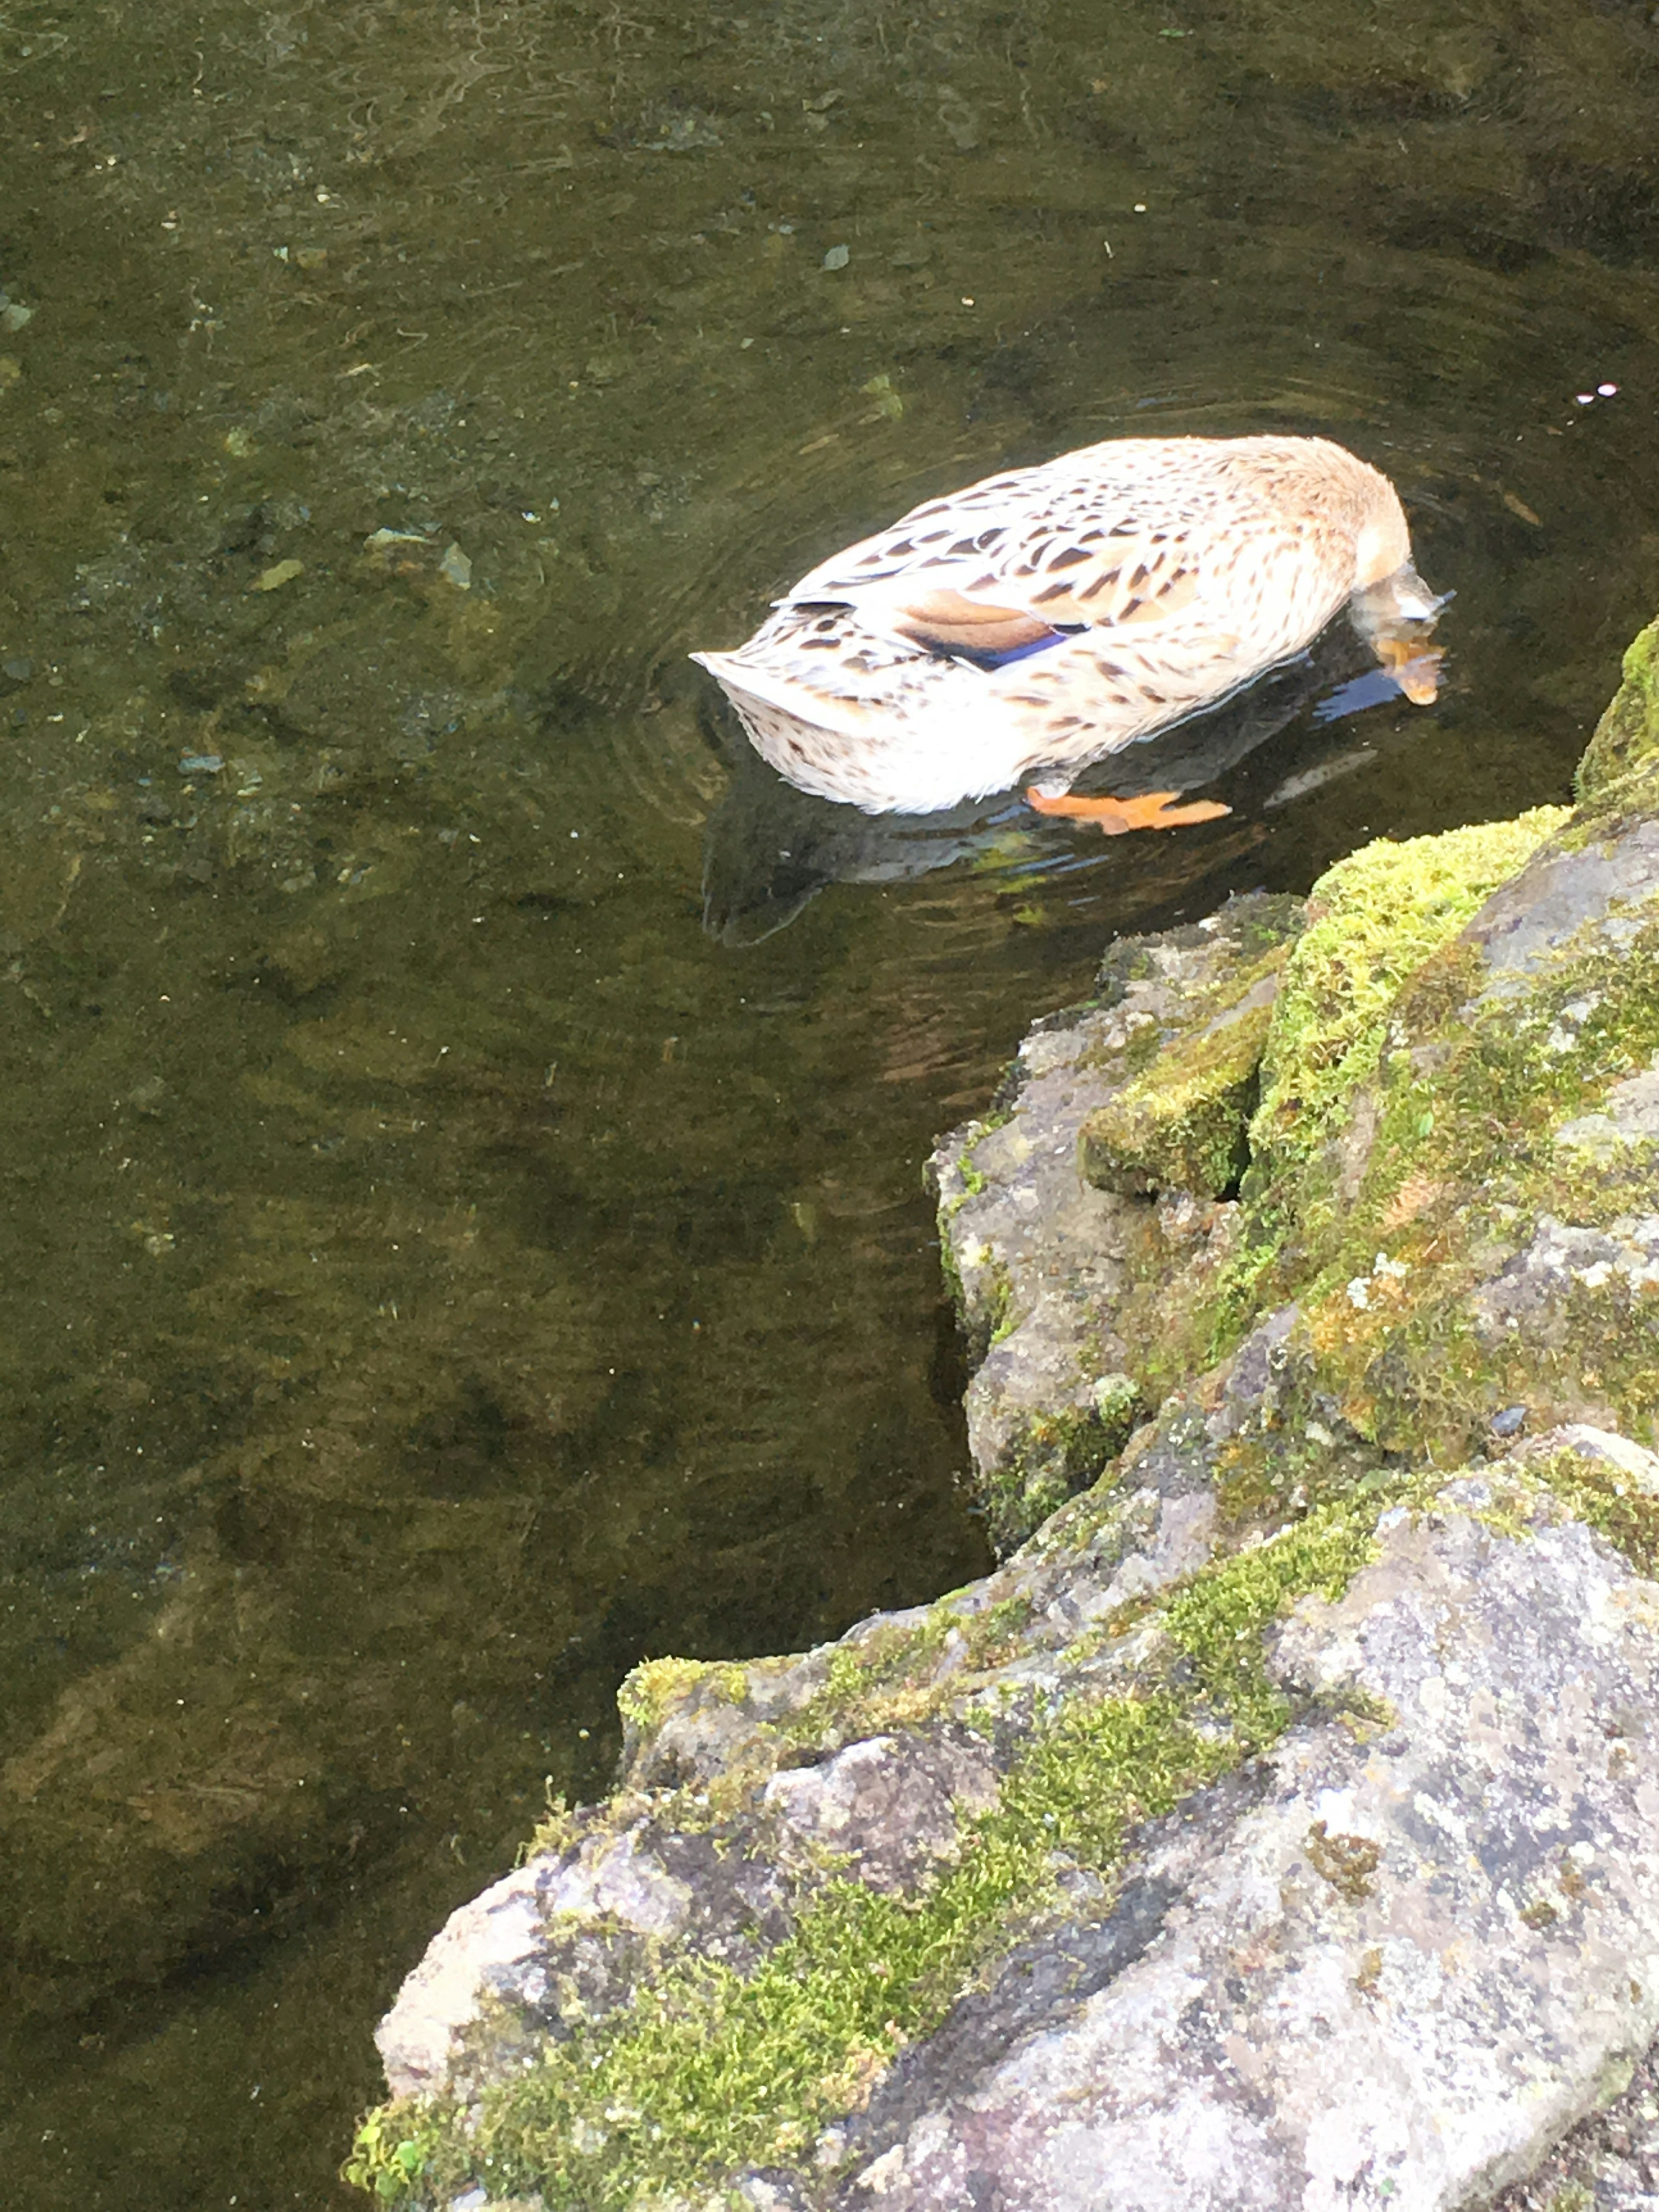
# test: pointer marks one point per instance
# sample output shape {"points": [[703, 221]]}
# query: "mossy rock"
{"points": [[1052, 1455], [1627, 735], [715, 2065], [1182, 1124], [1375, 920]]}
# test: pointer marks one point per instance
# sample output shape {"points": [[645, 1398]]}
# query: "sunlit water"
{"points": [[438, 1272]]}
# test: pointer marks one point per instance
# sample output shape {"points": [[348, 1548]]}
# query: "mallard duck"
{"points": [[1042, 619]]}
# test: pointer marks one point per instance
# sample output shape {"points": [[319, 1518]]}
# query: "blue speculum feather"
{"points": [[989, 661]]}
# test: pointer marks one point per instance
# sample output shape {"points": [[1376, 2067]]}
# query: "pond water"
{"points": [[439, 1270]]}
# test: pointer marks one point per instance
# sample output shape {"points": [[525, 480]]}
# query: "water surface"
{"points": [[439, 1273]]}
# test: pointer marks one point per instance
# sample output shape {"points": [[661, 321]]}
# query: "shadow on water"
{"points": [[440, 1273]]}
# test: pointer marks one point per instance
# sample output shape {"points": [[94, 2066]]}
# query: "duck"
{"points": [[1042, 619]]}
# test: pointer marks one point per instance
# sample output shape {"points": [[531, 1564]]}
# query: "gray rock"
{"points": [[562, 1939], [1041, 1259], [889, 1808], [493, 1948], [1534, 1291], [1544, 908], [1396, 1978], [1387, 1964]]}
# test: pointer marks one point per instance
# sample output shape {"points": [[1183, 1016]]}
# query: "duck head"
{"points": [[1392, 608]]}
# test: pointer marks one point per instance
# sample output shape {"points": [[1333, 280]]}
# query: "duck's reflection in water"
{"points": [[769, 849]]}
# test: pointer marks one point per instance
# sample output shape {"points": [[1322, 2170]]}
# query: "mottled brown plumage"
{"points": [[1045, 617]]}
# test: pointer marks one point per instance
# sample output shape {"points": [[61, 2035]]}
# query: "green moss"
{"points": [[1049, 1458], [556, 1829], [1627, 735], [1001, 1319], [393, 2148], [879, 1681], [1218, 1620], [1180, 1124], [1256, 928], [891, 1653], [1377, 959], [707, 2071], [1377, 917], [656, 1685], [996, 1627], [1610, 1500], [876, 1682], [1462, 1166]]}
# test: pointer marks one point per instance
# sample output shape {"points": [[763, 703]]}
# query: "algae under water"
{"points": [[438, 1273]]}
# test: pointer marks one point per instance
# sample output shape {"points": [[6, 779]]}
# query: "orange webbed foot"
{"points": [[1414, 667], [1152, 810]]}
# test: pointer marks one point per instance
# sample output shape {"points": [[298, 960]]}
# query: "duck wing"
{"points": [[1019, 561]]}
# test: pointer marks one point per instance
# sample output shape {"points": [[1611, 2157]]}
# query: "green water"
{"points": [[437, 1271]]}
